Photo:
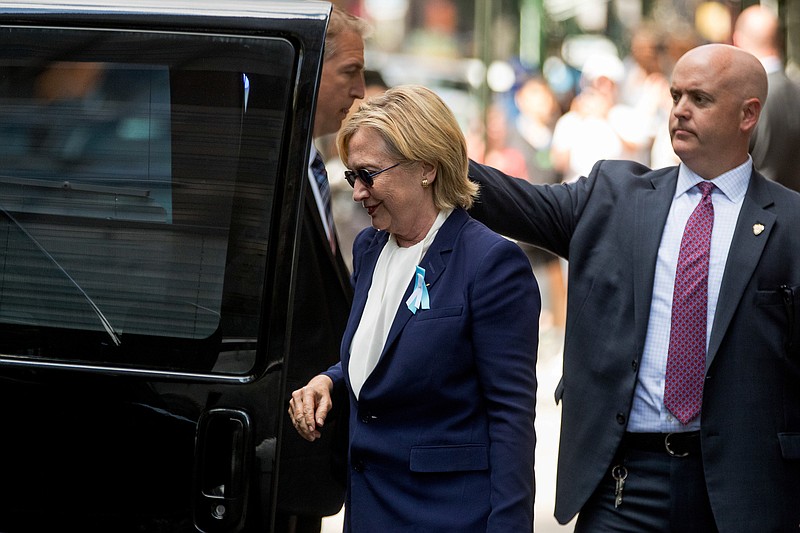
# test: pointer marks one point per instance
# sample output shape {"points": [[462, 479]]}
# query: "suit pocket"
{"points": [[452, 458], [441, 312], [786, 297], [790, 445], [769, 298]]}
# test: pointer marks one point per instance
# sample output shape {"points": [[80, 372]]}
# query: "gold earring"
{"points": [[425, 183]]}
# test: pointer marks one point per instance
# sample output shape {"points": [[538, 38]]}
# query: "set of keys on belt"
{"points": [[619, 473]]}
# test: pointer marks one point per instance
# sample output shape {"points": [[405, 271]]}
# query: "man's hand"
{"points": [[310, 405]]}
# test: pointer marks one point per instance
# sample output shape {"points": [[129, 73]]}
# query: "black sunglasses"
{"points": [[364, 175]]}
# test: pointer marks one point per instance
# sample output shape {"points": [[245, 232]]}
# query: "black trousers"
{"points": [[661, 494]]}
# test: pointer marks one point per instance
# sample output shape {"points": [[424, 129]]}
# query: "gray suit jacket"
{"points": [[609, 228], [775, 145]]}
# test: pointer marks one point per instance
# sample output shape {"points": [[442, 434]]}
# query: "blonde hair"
{"points": [[417, 126]]}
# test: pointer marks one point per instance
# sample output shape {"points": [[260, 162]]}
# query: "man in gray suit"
{"points": [[681, 383], [774, 144]]}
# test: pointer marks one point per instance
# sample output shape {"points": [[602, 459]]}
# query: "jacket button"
{"points": [[620, 418], [635, 365], [358, 466], [367, 417]]}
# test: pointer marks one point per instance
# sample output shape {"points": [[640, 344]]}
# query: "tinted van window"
{"points": [[126, 185]]}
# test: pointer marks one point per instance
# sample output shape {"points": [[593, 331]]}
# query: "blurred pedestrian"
{"points": [[643, 65], [775, 145], [437, 32], [597, 126], [538, 112], [645, 88], [677, 41], [499, 151]]}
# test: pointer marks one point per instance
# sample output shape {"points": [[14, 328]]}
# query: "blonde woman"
{"points": [[439, 353]]}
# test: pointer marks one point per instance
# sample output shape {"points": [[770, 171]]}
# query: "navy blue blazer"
{"points": [[609, 226], [442, 436]]}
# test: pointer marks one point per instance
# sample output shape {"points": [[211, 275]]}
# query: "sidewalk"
{"points": [[548, 424]]}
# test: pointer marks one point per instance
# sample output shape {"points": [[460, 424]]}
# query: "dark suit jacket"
{"points": [[442, 436], [775, 145], [609, 228], [323, 295]]}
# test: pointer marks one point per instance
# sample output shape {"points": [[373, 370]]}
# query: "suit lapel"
{"points": [[652, 208], [744, 254]]}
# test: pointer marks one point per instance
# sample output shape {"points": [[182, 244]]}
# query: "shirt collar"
{"points": [[732, 183]]}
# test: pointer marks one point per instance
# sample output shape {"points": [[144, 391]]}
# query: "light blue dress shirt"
{"points": [[648, 413]]}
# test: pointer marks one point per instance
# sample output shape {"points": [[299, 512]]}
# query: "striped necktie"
{"points": [[321, 175]]}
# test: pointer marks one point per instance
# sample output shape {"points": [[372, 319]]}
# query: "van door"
{"points": [[152, 164]]}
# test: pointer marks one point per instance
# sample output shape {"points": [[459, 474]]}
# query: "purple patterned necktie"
{"points": [[686, 360]]}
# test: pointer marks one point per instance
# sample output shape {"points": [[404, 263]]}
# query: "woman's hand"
{"points": [[310, 405]]}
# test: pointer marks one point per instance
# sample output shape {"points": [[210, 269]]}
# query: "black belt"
{"points": [[674, 444]]}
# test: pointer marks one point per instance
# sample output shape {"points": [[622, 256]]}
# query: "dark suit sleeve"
{"points": [[335, 373], [505, 304], [542, 215]]}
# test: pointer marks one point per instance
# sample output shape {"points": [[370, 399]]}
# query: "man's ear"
{"points": [[751, 110]]}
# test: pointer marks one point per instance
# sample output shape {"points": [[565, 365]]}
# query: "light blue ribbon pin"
{"points": [[419, 298]]}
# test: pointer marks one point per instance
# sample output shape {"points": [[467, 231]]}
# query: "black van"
{"points": [[152, 165]]}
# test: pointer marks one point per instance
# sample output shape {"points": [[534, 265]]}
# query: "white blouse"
{"points": [[396, 266]]}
